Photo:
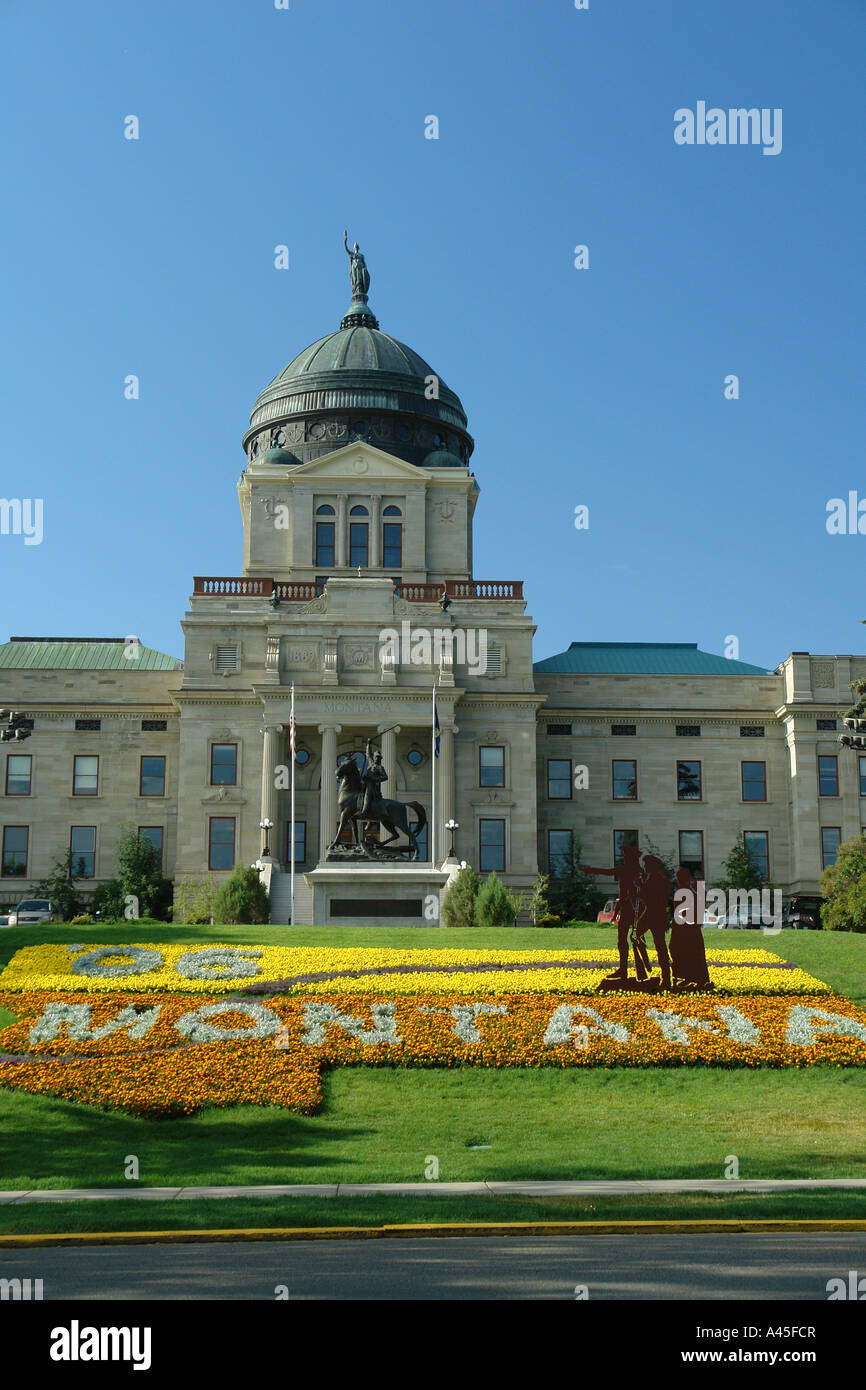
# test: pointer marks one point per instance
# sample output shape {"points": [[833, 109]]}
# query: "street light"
{"points": [[451, 825], [265, 826]]}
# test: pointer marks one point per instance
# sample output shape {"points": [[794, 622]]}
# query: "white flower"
{"points": [[219, 963], [318, 1016], [674, 1026], [740, 1029], [141, 962], [76, 1019], [805, 1026], [194, 1026], [464, 1016], [561, 1028]]}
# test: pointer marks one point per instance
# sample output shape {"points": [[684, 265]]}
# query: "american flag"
{"points": [[293, 730]]}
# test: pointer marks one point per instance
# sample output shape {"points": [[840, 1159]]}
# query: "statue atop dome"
{"points": [[358, 271]]}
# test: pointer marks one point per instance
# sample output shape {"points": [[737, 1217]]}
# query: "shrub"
{"points": [[549, 919], [193, 903], [458, 905], [83, 919], [139, 874], [108, 901], [843, 885], [495, 906], [59, 886], [572, 894], [242, 899]]}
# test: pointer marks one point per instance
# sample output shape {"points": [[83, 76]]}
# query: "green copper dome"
{"points": [[358, 383]]}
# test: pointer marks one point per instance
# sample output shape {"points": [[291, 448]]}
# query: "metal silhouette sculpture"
{"points": [[644, 897], [360, 803]]}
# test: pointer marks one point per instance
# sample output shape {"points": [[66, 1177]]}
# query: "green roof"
{"points": [[81, 654], [643, 658]]}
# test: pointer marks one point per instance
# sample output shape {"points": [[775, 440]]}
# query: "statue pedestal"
{"points": [[370, 894]]}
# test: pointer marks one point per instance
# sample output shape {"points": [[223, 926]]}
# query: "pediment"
{"points": [[361, 462]]}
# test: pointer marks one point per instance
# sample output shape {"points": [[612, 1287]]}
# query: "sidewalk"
{"points": [[442, 1189]]}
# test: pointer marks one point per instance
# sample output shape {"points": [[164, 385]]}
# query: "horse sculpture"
{"points": [[394, 815]]}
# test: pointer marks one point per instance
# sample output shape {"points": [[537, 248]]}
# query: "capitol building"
{"points": [[358, 497]]}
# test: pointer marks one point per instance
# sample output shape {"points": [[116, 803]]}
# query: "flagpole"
{"points": [[292, 741], [433, 785]]}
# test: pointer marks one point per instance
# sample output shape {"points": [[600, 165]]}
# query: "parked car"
{"points": [[610, 911], [714, 919], [745, 916], [30, 911], [803, 912]]}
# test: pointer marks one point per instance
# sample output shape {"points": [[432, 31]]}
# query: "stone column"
{"points": [[375, 532], [445, 789], [270, 762], [341, 533], [328, 792], [389, 760]]}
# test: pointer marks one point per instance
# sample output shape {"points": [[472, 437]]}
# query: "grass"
{"points": [[380, 1125], [266, 1213]]}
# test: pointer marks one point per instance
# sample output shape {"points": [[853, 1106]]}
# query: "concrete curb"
{"points": [[432, 1229]]}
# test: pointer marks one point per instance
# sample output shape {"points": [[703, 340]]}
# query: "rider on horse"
{"points": [[373, 777]]}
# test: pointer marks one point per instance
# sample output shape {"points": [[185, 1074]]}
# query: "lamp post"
{"points": [[265, 826], [451, 826]]}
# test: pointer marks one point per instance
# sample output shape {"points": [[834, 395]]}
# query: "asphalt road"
{"points": [[682, 1267]]}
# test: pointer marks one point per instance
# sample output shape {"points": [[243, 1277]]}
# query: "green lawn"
{"points": [[381, 1125]]}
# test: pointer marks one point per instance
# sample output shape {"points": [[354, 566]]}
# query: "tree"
{"points": [[537, 905], [458, 905], [242, 899], [139, 873], [572, 894], [59, 886], [495, 906], [843, 885], [741, 869]]}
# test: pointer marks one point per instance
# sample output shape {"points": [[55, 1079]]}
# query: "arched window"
{"points": [[392, 511], [325, 510], [359, 511]]}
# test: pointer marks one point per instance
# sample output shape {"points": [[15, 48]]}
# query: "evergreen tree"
{"points": [[495, 906], [458, 905], [242, 899], [572, 894], [139, 873], [741, 870], [59, 887]]}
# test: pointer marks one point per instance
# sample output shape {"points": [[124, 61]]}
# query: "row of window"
{"points": [[690, 845], [359, 538], [681, 730], [151, 777], [82, 844], [689, 779]]}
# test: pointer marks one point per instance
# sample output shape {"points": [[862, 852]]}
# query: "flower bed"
{"points": [[172, 1055], [321, 970]]}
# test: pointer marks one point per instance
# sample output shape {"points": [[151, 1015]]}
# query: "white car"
{"points": [[30, 911]]}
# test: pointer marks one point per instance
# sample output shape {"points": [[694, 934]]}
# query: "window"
{"points": [[491, 845], [626, 730], [392, 545], [688, 781], [688, 731], [415, 757], [861, 763], [155, 834], [559, 847], [151, 780], [300, 841], [302, 756], [154, 726], [15, 839], [491, 767], [18, 774], [621, 838], [392, 511], [494, 660], [751, 731], [223, 764], [828, 776], [358, 542], [559, 779], [831, 838], [624, 779], [85, 779], [692, 851], [757, 845], [826, 724], [325, 510], [358, 511], [558, 730], [82, 843], [227, 657], [94, 724], [325, 543], [754, 781], [221, 842]]}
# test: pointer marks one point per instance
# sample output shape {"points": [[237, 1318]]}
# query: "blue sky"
{"points": [[602, 387]]}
